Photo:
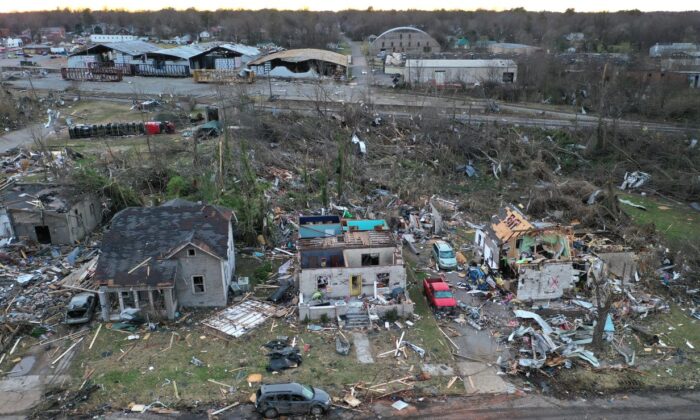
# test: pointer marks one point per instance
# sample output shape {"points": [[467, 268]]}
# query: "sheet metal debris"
{"points": [[238, 320]]}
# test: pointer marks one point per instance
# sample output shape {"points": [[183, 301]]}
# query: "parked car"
{"points": [[291, 398], [439, 295], [444, 256], [81, 308]]}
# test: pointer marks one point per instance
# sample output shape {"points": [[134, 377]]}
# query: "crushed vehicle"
{"points": [[439, 295], [291, 398], [444, 256], [81, 308]]}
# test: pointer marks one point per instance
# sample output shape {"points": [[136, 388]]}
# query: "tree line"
{"points": [[604, 32]]}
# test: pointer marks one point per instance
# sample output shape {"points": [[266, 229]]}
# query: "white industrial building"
{"points": [[466, 72]]}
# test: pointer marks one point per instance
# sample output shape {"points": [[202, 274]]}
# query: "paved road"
{"points": [[22, 137], [657, 406]]}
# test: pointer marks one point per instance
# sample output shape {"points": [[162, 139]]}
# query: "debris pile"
{"points": [[32, 278], [283, 355]]}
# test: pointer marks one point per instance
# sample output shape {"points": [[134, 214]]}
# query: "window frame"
{"points": [[204, 284]]}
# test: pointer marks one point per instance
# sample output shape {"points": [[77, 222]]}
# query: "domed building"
{"points": [[404, 39]]}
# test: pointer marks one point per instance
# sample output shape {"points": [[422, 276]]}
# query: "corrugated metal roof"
{"points": [[242, 49], [460, 63], [130, 47], [305, 54], [184, 52]]}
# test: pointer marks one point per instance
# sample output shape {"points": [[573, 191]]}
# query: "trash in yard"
{"points": [[361, 146], [629, 203], [342, 345], [287, 358], [351, 400], [420, 351], [634, 180], [399, 405], [196, 362]]}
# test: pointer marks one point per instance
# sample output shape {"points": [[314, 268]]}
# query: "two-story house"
{"points": [[345, 264]]}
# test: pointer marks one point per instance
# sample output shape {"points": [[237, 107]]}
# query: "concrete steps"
{"points": [[356, 320]]}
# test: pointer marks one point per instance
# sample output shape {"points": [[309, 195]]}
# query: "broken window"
{"points": [[508, 77], [382, 279], [191, 252], [321, 282], [323, 261], [370, 259], [198, 284]]}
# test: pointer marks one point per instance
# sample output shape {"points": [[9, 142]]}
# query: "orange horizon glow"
{"points": [[339, 5]]}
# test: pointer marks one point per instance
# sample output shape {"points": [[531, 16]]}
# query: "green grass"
{"points": [[677, 223]]}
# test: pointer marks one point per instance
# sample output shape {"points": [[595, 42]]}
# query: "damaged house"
{"points": [[349, 267], [157, 259], [538, 255], [307, 63], [48, 213]]}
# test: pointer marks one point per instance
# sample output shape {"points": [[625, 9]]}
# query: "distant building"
{"points": [[575, 37], [466, 72], [507, 48], [13, 42], [404, 39], [36, 49], [53, 34], [462, 43], [676, 48], [97, 38]]}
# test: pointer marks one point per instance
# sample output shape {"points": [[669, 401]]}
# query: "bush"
{"points": [[391, 315]]}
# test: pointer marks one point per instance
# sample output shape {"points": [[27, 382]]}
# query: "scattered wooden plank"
{"points": [[452, 382], [448, 338], [177, 395], [220, 383], [99, 327], [15, 346], [66, 352], [228, 407], [126, 352], [398, 344]]}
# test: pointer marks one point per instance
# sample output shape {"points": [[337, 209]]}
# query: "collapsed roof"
{"points": [[305, 54]]}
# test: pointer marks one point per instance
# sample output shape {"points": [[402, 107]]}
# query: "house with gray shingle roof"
{"points": [[157, 259]]}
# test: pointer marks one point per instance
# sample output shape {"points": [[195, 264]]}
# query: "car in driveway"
{"points": [[291, 398], [81, 308], [444, 256]]}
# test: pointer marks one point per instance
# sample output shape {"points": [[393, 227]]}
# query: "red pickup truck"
{"points": [[439, 294]]}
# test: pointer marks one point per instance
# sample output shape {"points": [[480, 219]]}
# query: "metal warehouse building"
{"points": [[469, 72]]}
